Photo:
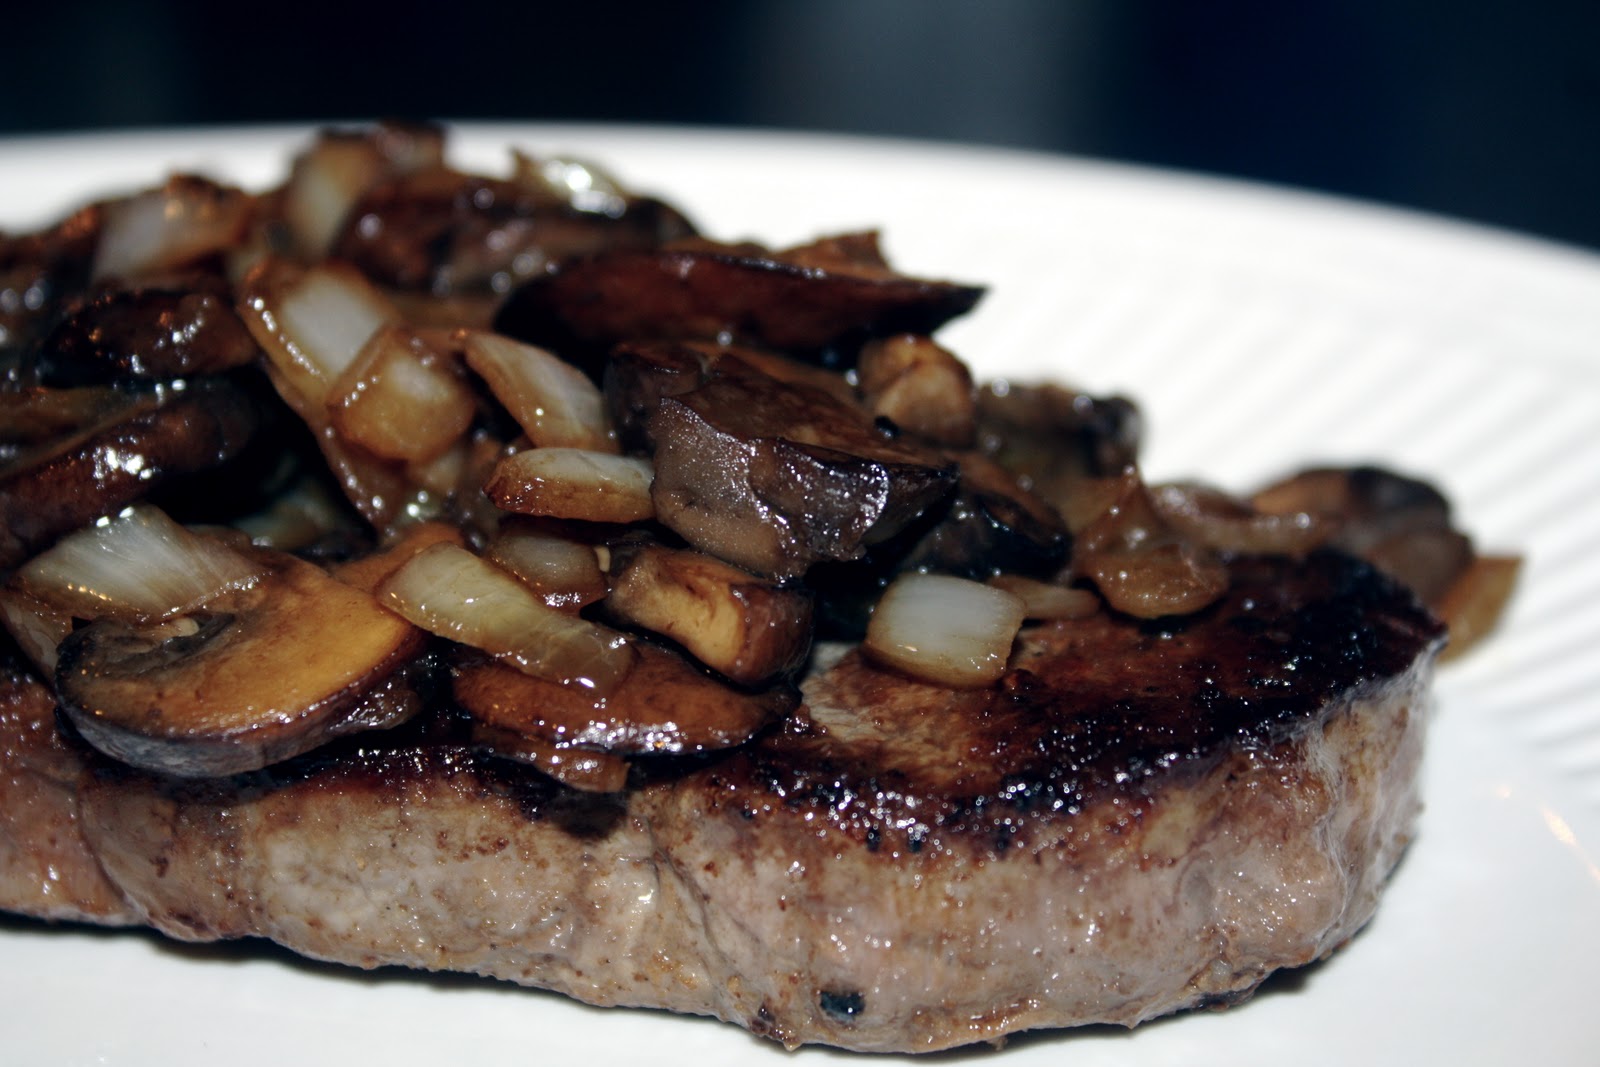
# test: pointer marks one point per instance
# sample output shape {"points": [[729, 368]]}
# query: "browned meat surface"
{"points": [[1142, 816]]}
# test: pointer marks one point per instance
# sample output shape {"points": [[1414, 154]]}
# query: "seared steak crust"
{"points": [[1141, 817]]}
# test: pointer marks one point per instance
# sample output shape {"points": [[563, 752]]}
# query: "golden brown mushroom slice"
{"points": [[255, 676], [665, 706], [748, 628]]}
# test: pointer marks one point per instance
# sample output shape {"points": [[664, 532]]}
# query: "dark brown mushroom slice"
{"points": [[746, 628], [444, 232], [176, 328], [171, 432], [992, 524], [665, 706], [775, 477], [1057, 440], [329, 176], [248, 680], [39, 271], [738, 294]]}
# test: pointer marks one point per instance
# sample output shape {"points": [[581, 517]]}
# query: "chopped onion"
{"points": [[572, 483], [401, 398], [37, 627], [949, 631], [448, 591], [312, 323], [555, 403], [1219, 521], [137, 564], [565, 574], [162, 228], [1047, 600]]}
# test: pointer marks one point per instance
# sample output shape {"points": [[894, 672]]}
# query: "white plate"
{"points": [[1258, 329]]}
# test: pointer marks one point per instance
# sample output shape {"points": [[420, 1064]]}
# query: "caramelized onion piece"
{"points": [[1141, 565], [138, 564], [555, 404], [1475, 601], [1224, 523], [920, 386], [1047, 600], [312, 323], [744, 627], [327, 179], [944, 630], [572, 483], [186, 219], [36, 627], [664, 707], [402, 398], [248, 679], [565, 574], [448, 591]]}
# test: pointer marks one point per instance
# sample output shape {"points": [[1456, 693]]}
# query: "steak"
{"points": [[1142, 816]]}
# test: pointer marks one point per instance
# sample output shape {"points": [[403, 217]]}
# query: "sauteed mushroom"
{"points": [[245, 680]]}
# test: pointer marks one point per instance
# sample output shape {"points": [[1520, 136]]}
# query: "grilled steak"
{"points": [[1142, 816]]}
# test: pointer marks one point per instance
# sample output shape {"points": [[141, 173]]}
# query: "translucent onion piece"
{"points": [[1219, 521], [312, 323], [572, 483], [554, 402], [565, 574], [330, 176], [1046, 600], [139, 565], [182, 221], [448, 591], [944, 630], [37, 628], [402, 398]]}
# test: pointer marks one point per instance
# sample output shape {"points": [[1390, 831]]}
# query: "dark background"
{"points": [[1486, 111]]}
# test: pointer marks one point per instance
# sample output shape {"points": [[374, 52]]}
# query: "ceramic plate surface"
{"points": [[1259, 330]]}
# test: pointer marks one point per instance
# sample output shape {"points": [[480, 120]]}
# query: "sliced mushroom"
{"points": [[992, 523], [665, 706], [172, 432], [442, 232], [39, 271], [747, 628], [776, 477], [176, 328], [1400, 525], [1059, 441], [727, 293], [1475, 601], [248, 680], [1223, 522]]}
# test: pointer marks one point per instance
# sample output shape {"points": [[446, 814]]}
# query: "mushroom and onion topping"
{"points": [[531, 454]]}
